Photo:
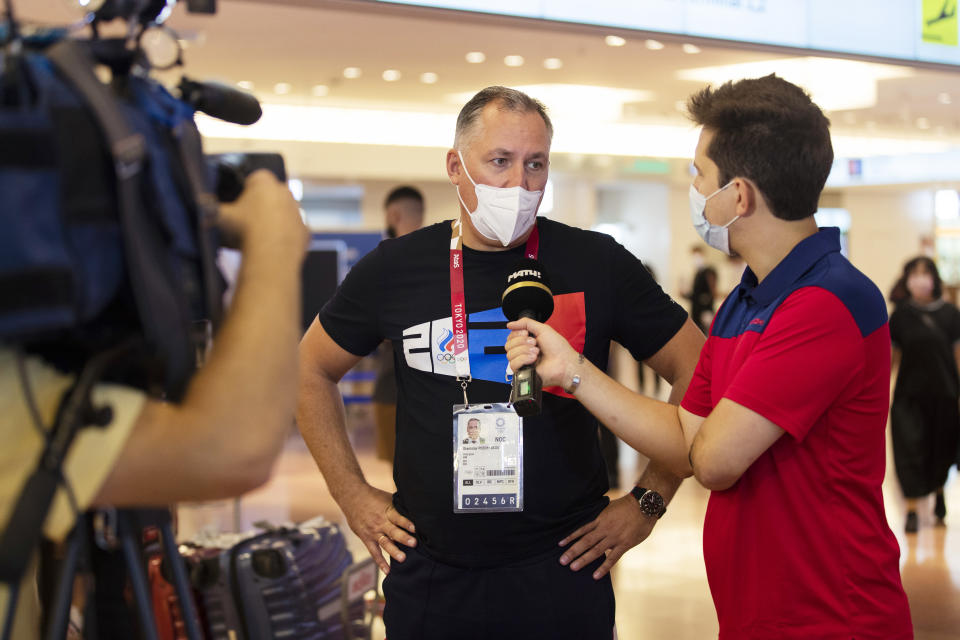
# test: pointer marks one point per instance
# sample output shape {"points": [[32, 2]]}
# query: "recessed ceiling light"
{"points": [[429, 77], [944, 98], [476, 57], [391, 75], [246, 85], [614, 41], [352, 72], [513, 61], [553, 63], [654, 45], [923, 123], [282, 88], [320, 90], [690, 48]]}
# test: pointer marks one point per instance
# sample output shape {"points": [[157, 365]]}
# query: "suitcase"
{"points": [[166, 606], [286, 582]]}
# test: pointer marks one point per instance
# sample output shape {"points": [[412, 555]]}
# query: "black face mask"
{"points": [[391, 232]]}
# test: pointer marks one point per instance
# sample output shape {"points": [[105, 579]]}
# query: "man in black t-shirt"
{"points": [[430, 292]]}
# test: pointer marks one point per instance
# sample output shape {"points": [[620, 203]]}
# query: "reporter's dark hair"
{"points": [[769, 131], [405, 192], [899, 293]]}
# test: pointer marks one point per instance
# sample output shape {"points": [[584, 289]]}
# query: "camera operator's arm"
{"points": [[223, 438], [320, 417]]}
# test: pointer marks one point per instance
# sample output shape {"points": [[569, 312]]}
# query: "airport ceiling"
{"points": [[304, 46]]}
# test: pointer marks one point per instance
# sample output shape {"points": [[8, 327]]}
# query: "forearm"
{"points": [[657, 477], [322, 422], [223, 438], [650, 426], [248, 383]]}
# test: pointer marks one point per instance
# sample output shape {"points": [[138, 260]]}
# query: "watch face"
{"points": [[651, 503]]}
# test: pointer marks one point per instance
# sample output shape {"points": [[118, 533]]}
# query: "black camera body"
{"points": [[109, 204], [230, 170]]}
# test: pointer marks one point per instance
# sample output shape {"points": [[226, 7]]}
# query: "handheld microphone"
{"points": [[220, 101], [527, 295]]}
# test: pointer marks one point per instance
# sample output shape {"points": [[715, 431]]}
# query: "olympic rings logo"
{"points": [[445, 357]]}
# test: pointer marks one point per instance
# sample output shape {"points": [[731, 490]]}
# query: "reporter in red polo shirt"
{"points": [[784, 420]]}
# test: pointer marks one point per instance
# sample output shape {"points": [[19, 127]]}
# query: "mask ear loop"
{"points": [[459, 197], [464, 165]]}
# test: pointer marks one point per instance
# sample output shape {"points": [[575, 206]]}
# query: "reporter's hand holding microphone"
{"points": [[531, 342], [528, 303]]}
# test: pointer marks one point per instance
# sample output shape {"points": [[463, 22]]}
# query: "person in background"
{"points": [[403, 213], [924, 416], [703, 292]]}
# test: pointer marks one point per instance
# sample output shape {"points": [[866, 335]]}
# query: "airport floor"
{"points": [[661, 585]]}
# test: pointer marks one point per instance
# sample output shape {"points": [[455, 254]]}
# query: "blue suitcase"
{"points": [[288, 582]]}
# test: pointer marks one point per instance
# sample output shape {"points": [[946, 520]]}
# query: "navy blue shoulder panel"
{"points": [[855, 290], [833, 273]]}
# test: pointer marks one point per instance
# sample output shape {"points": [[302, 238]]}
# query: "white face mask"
{"points": [[715, 236], [503, 213], [920, 285]]}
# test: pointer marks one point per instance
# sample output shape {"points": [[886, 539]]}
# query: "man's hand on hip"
{"points": [[618, 528], [372, 516]]}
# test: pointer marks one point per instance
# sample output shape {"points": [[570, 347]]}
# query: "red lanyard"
{"points": [[458, 301]]}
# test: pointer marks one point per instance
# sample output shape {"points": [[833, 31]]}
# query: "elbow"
{"points": [[246, 462], [714, 474], [713, 478], [254, 478], [242, 478]]}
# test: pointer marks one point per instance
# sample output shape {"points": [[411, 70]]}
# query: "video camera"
{"points": [[107, 201], [108, 208]]}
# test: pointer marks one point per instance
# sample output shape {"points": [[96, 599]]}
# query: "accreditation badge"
{"points": [[487, 458]]}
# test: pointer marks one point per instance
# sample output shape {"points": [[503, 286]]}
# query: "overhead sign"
{"points": [[911, 30]]}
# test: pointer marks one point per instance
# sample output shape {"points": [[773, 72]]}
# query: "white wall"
{"points": [[886, 225]]}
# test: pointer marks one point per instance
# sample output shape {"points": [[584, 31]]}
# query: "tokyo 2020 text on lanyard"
{"points": [[487, 438], [458, 302]]}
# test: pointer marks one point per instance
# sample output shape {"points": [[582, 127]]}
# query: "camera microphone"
{"points": [[527, 295], [220, 101]]}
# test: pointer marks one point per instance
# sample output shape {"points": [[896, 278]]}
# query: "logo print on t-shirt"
{"points": [[428, 346], [445, 343]]}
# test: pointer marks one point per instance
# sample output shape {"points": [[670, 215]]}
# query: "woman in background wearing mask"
{"points": [[924, 416]]}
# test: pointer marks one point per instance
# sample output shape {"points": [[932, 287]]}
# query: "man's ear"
{"points": [[454, 168], [747, 196]]}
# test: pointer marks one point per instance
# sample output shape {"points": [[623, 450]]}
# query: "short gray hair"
{"points": [[507, 99]]}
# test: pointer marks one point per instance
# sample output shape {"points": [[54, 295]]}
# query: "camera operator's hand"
{"points": [[264, 217]]}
